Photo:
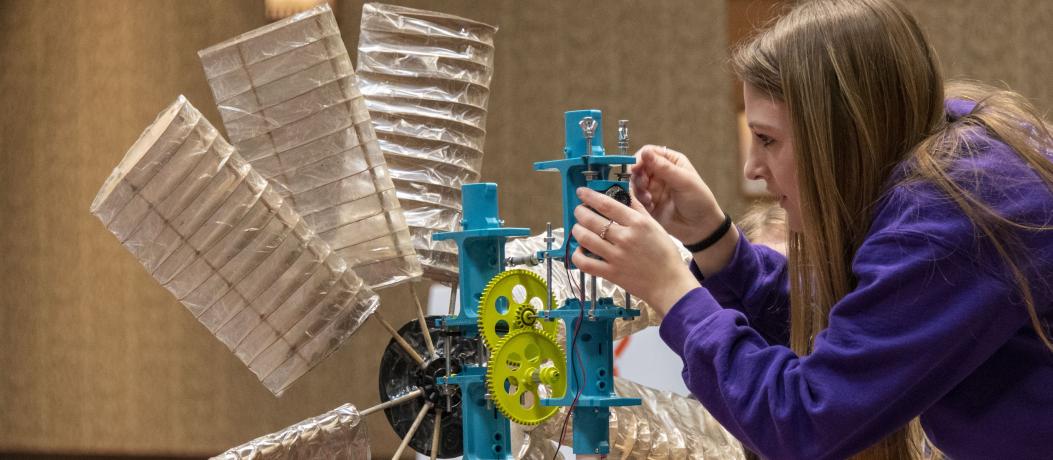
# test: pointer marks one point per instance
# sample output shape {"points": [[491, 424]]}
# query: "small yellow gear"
{"points": [[510, 302], [526, 367]]}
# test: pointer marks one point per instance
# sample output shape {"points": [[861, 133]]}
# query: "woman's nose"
{"points": [[754, 168]]}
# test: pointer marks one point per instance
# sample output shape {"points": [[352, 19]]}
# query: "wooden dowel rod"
{"points": [[435, 432], [412, 430], [423, 322], [394, 402], [401, 341]]}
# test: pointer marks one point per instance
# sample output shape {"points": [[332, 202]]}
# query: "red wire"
{"points": [[573, 346]]}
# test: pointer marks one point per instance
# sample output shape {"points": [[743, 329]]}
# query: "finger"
{"points": [[675, 175], [662, 152], [638, 188], [596, 224], [651, 149], [638, 203], [594, 267], [639, 206], [607, 206], [591, 241]]}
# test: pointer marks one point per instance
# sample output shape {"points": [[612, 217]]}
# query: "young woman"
{"points": [[919, 280]]}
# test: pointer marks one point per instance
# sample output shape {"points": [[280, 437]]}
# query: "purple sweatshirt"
{"points": [[934, 328]]}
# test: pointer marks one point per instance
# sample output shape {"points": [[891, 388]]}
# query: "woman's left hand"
{"points": [[637, 254]]}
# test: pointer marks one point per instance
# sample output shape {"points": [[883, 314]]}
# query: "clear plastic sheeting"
{"points": [[339, 434], [291, 105], [533, 447], [426, 78], [665, 426], [224, 242], [562, 287]]}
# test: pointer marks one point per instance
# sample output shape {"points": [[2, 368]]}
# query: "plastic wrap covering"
{"points": [[665, 426], [290, 102], [426, 79], [561, 285], [214, 233], [339, 434], [533, 447]]}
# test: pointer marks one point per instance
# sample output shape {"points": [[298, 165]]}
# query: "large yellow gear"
{"points": [[510, 302], [526, 367]]}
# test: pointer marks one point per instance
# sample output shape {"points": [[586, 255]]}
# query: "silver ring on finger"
{"points": [[607, 226]]}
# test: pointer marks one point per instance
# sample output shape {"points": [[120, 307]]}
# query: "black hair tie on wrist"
{"points": [[712, 238]]}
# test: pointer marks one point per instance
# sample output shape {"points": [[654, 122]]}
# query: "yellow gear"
{"points": [[510, 302], [525, 367]]}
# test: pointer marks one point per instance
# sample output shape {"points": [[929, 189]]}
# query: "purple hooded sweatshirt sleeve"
{"points": [[934, 327], [764, 296]]}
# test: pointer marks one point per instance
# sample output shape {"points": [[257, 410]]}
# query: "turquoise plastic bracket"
{"points": [[590, 363], [487, 433], [481, 250], [595, 374], [572, 168]]}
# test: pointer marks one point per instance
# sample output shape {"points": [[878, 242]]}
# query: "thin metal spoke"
{"points": [[412, 430], [453, 297]]}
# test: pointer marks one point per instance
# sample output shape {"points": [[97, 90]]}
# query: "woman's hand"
{"points": [[672, 191], [636, 252]]}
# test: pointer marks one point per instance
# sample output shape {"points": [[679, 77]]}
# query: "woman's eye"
{"points": [[765, 140]]}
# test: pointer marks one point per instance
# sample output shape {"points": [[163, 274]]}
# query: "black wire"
{"points": [[573, 344]]}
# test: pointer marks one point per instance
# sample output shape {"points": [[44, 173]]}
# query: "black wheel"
{"points": [[399, 375]]}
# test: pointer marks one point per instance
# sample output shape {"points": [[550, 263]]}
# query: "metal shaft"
{"points": [[629, 303], [595, 298], [453, 297], [588, 129], [623, 147], [394, 402], [446, 354], [549, 239], [529, 260], [412, 430], [581, 287], [623, 137]]}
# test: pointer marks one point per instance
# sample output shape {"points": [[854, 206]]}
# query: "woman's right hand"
{"points": [[666, 184]]}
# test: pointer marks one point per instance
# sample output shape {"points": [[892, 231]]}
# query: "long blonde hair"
{"points": [[865, 94]]}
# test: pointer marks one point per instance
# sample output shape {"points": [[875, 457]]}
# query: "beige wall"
{"points": [[95, 356], [1006, 43]]}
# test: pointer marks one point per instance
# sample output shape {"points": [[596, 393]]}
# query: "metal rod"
{"points": [[394, 402], [581, 286], [629, 303], [401, 341], [481, 354], [588, 129], [446, 355], [425, 330], [595, 298], [435, 432], [412, 429], [549, 239], [623, 147], [446, 346], [453, 297]]}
